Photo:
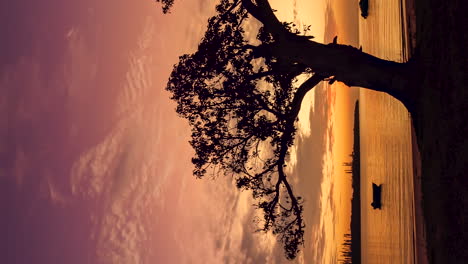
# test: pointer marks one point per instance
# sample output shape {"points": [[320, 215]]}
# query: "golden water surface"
{"points": [[386, 157]]}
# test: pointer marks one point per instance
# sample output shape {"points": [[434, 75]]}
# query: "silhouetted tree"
{"points": [[242, 104]]}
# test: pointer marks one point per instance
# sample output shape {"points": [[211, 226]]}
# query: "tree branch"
{"points": [[223, 15], [264, 13], [305, 87]]}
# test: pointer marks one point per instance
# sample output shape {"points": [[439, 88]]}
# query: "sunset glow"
{"points": [[99, 167], [233, 131]]}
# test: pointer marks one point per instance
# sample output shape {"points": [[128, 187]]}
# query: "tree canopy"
{"points": [[242, 103], [242, 107]]}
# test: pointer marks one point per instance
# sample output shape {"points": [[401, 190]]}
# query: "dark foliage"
{"points": [[242, 106], [166, 5]]}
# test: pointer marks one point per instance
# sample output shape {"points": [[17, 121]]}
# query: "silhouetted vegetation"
{"points": [[166, 5], [240, 128], [346, 252]]}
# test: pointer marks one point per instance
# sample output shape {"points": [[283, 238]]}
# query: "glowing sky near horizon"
{"points": [[95, 163]]}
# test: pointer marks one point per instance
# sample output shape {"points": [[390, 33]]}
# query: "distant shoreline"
{"points": [[440, 78], [356, 184], [409, 26], [352, 250], [409, 45], [420, 239]]}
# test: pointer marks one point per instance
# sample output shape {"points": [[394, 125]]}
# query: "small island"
{"points": [[351, 252]]}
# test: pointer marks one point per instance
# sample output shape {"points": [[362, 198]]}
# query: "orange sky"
{"points": [[340, 116], [98, 167], [336, 184], [345, 27]]}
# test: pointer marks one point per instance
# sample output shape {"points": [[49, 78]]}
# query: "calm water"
{"points": [[386, 157]]}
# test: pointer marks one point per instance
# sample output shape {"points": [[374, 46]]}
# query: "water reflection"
{"points": [[386, 157]]}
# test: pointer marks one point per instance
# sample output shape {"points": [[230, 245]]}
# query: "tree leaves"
{"points": [[242, 106], [166, 5]]}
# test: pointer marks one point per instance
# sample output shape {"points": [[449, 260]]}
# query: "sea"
{"points": [[387, 235]]}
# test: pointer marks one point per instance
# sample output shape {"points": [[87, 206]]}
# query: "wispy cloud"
{"points": [[151, 204], [21, 102], [125, 171], [116, 156]]}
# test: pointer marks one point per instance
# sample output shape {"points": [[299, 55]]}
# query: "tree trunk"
{"points": [[345, 63], [348, 65]]}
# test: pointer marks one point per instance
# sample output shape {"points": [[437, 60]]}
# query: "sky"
{"points": [[94, 162]]}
